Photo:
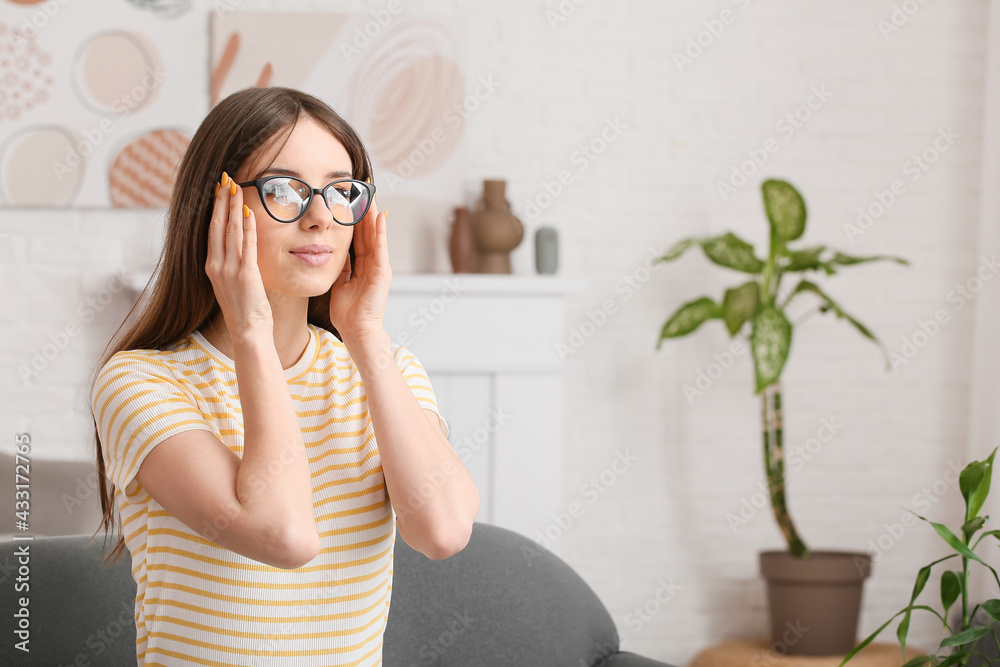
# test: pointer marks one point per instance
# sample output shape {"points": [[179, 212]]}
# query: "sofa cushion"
{"points": [[502, 596]]}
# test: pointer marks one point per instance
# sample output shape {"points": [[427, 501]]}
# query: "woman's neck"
{"points": [[291, 338]]}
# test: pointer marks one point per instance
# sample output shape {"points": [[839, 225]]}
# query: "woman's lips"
{"points": [[313, 258]]}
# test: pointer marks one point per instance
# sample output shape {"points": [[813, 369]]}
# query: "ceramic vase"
{"points": [[462, 241], [497, 229]]}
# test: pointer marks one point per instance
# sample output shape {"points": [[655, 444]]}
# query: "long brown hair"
{"points": [[236, 132]]}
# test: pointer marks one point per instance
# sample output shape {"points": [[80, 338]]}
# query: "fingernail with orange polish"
{"points": [[387, 215], [246, 211], [217, 186], [225, 178], [232, 187]]}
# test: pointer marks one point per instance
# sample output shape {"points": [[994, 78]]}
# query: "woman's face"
{"points": [[314, 155]]}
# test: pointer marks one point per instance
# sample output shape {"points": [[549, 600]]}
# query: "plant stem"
{"points": [[774, 464]]}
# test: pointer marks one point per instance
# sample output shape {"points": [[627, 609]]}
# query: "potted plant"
{"points": [[964, 636], [819, 589]]}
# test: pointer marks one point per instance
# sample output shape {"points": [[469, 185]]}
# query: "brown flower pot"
{"points": [[814, 602]]}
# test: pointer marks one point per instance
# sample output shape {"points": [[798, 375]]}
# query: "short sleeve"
{"points": [[137, 404], [416, 377]]}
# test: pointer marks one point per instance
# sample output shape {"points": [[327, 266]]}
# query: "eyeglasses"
{"points": [[286, 199]]}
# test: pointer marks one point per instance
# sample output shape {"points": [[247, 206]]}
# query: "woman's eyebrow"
{"points": [[337, 173]]}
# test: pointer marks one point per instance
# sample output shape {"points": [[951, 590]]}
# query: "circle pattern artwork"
{"points": [[142, 173], [29, 161]]}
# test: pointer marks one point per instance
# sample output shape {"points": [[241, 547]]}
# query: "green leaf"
{"points": [[988, 533], [830, 304], [806, 259], [785, 208], [848, 260], [953, 659], [868, 640], [739, 304], [688, 318], [732, 252], [966, 636], [919, 661], [978, 496], [969, 481], [992, 608], [958, 545], [770, 340], [904, 626], [679, 249], [969, 528], [951, 588]]}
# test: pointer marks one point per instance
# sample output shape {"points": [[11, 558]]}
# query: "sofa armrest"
{"points": [[626, 659]]}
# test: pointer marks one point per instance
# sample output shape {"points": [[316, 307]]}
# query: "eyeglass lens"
{"points": [[287, 197]]}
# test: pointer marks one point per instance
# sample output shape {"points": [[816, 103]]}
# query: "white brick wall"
{"points": [[653, 185]]}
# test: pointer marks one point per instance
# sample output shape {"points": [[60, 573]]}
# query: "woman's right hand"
{"points": [[232, 263]]}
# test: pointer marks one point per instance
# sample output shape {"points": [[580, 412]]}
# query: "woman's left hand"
{"points": [[357, 302]]}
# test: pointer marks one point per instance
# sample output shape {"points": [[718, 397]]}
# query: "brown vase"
{"points": [[497, 230], [462, 241], [814, 602]]}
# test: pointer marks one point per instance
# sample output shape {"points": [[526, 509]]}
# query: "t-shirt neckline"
{"points": [[296, 369]]}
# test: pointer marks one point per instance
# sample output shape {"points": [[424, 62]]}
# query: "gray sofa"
{"points": [[484, 607]]}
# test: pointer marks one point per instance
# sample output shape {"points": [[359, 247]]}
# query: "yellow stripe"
{"points": [[281, 618], [253, 584]]}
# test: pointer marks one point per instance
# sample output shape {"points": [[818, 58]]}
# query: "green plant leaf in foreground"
{"points": [[992, 608], [965, 636], [688, 318], [904, 626], [958, 545], [951, 588], [977, 495], [770, 340]]}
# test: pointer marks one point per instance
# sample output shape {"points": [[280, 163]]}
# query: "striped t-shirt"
{"points": [[199, 603]]}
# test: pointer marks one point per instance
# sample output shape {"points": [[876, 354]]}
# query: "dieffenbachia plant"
{"points": [[758, 302]]}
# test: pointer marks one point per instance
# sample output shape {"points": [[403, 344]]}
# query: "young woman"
{"points": [[236, 421]]}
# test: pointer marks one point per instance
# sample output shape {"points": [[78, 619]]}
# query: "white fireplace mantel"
{"points": [[489, 346]]}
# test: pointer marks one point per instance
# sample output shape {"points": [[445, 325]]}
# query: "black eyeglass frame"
{"points": [[259, 185]]}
